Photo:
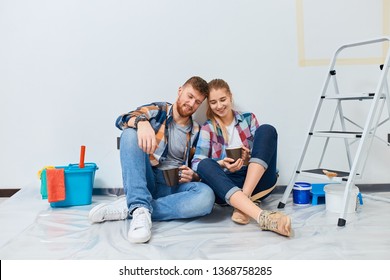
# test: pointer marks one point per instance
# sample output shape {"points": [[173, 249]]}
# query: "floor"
{"points": [[2, 199], [43, 232]]}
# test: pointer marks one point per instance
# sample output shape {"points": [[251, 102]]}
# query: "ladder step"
{"points": [[357, 96], [337, 134], [319, 173]]}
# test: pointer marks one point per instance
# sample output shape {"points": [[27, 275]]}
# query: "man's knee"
{"points": [[206, 198], [128, 137]]}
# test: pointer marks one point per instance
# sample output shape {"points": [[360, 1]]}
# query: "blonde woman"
{"points": [[235, 182]]}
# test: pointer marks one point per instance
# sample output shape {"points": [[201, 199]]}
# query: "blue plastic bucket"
{"points": [[78, 185], [301, 193]]}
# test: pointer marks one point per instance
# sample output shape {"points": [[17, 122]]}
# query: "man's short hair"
{"points": [[198, 84]]}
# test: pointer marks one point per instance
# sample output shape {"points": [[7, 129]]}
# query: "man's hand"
{"points": [[186, 174], [146, 137]]}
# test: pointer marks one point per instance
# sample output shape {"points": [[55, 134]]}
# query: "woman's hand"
{"points": [[232, 165], [245, 154]]}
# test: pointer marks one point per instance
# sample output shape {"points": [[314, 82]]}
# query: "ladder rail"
{"points": [[355, 44], [386, 91]]}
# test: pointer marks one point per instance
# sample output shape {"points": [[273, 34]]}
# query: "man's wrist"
{"points": [[138, 119]]}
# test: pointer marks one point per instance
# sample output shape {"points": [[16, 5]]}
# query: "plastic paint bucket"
{"points": [[301, 193], [78, 185], [334, 195]]}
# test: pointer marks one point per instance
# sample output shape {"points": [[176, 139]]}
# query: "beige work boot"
{"points": [[275, 221]]}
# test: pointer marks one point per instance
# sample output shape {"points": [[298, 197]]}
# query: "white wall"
{"points": [[69, 68]]}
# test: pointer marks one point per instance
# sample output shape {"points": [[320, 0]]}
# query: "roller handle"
{"points": [[82, 157]]}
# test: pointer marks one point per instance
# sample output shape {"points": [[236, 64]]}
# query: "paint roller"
{"points": [[82, 157]]}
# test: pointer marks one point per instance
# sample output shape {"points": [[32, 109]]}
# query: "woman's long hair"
{"points": [[218, 84]]}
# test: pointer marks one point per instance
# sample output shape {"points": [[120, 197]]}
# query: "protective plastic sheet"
{"points": [[31, 229]]}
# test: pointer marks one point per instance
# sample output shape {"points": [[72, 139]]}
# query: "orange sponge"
{"points": [[55, 179]]}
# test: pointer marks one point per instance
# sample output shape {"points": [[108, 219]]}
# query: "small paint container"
{"points": [[301, 193]]}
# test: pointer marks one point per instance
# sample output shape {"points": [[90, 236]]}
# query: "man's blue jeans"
{"points": [[145, 186], [225, 183]]}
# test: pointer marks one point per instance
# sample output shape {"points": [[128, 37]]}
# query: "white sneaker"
{"points": [[140, 226], [114, 211]]}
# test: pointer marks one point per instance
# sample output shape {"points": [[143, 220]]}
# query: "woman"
{"points": [[235, 182]]}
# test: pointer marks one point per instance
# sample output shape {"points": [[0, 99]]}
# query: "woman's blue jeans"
{"points": [[145, 186], [225, 183]]}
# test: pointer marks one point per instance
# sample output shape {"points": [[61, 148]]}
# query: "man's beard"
{"points": [[182, 112]]}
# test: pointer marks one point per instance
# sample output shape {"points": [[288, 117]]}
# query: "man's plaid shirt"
{"points": [[159, 115]]}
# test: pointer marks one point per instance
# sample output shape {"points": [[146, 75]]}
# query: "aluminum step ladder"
{"points": [[362, 135]]}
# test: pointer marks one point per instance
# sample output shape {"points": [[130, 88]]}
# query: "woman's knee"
{"points": [[267, 135], [268, 129], [205, 165]]}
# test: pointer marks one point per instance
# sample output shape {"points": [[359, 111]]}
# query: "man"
{"points": [[155, 137]]}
